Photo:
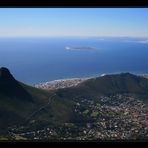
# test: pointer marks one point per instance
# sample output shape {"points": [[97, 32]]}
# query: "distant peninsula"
{"points": [[145, 41]]}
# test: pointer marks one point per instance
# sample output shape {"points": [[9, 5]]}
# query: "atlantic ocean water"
{"points": [[35, 60]]}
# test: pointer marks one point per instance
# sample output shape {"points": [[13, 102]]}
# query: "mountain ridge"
{"points": [[108, 85], [18, 101]]}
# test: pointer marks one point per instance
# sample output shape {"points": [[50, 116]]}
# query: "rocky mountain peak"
{"points": [[5, 73]]}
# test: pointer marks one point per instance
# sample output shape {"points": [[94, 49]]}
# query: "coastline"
{"points": [[61, 83], [71, 82]]}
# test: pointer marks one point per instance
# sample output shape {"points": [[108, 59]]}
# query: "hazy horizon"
{"points": [[73, 22]]}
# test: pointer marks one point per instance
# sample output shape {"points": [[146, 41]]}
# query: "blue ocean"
{"points": [[35, 60]]}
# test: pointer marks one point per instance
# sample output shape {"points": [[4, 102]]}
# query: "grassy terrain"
{"points": [[18, 101], [108, 85]]}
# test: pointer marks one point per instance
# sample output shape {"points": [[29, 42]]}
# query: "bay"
{"points": [[36, 60]]}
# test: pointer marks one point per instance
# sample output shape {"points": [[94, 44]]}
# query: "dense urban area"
{"points": [[56, 84], [112, 118]]}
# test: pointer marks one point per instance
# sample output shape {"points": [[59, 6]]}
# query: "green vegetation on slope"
{"points": [[108, 85], [23, 104]]}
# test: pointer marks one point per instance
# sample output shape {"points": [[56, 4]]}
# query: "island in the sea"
{"points": [[79, 48]]}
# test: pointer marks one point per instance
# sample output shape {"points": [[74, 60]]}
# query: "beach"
{"points": [[66, 83], [61, 83]]}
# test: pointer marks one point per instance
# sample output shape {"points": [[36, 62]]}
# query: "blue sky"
{"points": [[44, 22]]}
